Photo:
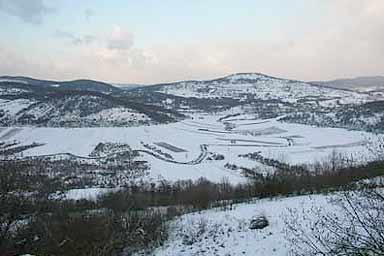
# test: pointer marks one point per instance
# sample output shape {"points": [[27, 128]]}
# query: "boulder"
{"points": [[258, 222]]}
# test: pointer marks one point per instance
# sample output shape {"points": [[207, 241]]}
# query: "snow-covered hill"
{"points": [[270, 97], [244, 93], [372, 85], [22, 104], [261, 87], [362, 84], [68, 111], [78, 85]]}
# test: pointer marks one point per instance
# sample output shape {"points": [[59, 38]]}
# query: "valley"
{"points": [[189, 149], [191, 128], [230, 128], [223, 146]]}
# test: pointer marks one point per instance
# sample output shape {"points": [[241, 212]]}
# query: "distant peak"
{"points": [[246, 76], [249, 76]]}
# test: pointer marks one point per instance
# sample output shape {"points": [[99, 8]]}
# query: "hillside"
{"points": [[269, 97], [80, 85], [29, 101], [363, 84], [25, 104]]}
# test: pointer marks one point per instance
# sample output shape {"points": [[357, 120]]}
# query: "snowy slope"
{"points": [[25, 104], [70, 110], [221, 233]]}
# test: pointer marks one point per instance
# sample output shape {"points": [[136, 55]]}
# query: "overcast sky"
{"points": [[151, 41]]}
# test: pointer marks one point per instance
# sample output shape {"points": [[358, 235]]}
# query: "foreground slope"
{"points": [[226, 232]]}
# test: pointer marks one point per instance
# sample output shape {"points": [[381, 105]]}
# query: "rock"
{"points": [[187, 240], [218, 157], [258, 222]]}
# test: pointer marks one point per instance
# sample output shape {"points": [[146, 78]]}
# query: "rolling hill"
{"points": [[80, 85], [90, 103]]}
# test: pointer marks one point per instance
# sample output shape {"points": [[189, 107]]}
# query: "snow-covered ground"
{"points": [[12, 107], [116, 114], [87, 193], [195, 139], [222, 233], [81, 110]]}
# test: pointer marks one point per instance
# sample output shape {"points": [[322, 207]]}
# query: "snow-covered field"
{"points": [[87, 193], [219, 232], [192, 141]]}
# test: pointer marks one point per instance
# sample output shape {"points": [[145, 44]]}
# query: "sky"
{"points": [[151, 41]]}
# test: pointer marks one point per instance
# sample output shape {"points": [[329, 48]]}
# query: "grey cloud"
{"points": [[348, 41], [120, 44], [74, 39], [120, 40], [87, 39], [64, 34], [30, 11]]}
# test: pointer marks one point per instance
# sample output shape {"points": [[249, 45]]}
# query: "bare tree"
{"points": [[376, 147], [354, 227]]}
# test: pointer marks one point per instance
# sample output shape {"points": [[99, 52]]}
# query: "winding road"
{"points": [[203, 154]]}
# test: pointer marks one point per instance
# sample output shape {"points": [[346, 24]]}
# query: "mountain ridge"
{"points": [[106, 87], [78, 84], [258, 94], [361, 83]]}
